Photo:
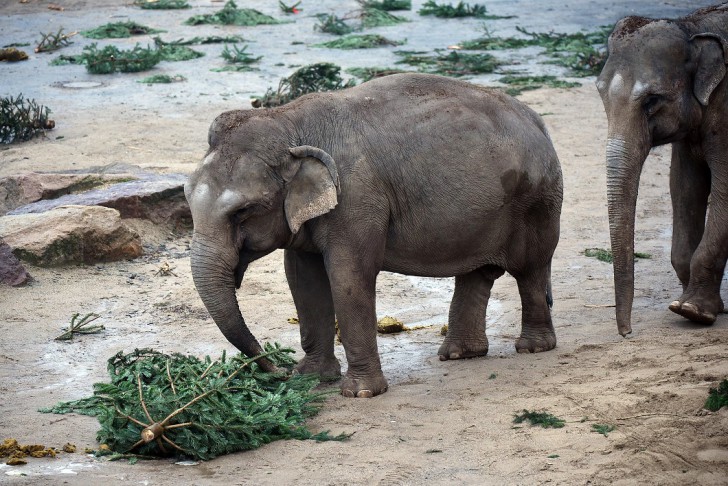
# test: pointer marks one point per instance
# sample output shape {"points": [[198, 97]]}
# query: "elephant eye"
{"points": [[651, 104], [243, 213]]}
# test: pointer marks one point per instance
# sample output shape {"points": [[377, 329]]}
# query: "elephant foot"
{"points": [[536, 342], [702, 312], [461, 349], [328, 369], [364, 387]]}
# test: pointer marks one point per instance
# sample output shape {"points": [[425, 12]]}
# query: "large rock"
{"points": [[12, 271], [70, 234], [157, 197], [22, 189]]}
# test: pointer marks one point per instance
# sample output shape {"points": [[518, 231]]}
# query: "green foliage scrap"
{"points": [[22, 119], [175, 51], [718, 397], [64, 60], [373, 17], [387, 5], [110, 59], [603, 429], [606, 256], [238, 59], [519, 84], [454, 63], [583, 53], [331, 24], [323, 76], [230, 14], [449, 11], [544, 419], [162, 79], [363, 41], [52, 42], [119, 30], [161, 4], [80, 325], [185, 406], [369, 73]]}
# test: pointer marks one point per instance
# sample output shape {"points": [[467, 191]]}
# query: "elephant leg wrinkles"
{"points": [[466, 324], [311, 293], [537, 330]]}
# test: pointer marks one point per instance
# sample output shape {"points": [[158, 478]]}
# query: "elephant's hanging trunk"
{"points": [[213, 274], [624, 165]]}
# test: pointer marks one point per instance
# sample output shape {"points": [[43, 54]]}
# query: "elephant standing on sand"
{"points": [[411, 173], [665, 82]]}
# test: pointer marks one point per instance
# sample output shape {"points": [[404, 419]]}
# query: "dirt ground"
{"points": [[440, 422]]}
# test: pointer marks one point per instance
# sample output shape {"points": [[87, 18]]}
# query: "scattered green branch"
{"points": [[290, 9], [80, 326], [331, 24], [369, 73], [174, 405], [110, 59], [519, 84], [606, 255], [22, 119], [387, 5], [448, 11], [544, 419], [718, 397], [453, 63], [175, 51], [119, 30], [52, 42], [364, 41], [230, 14], [238, 59], [603, 429], [373, 17], [313, 78], [162, 79], [161, 4]]}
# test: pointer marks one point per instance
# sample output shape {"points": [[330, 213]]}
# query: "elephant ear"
{"points": [[313, 189], [712, 60]]}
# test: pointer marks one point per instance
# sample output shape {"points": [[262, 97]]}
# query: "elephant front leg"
{"points": [[311, 293], [466, 323], [353, 286], [701, 301]]}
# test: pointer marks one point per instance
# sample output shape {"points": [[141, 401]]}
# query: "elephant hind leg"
{"points": [[537, 330], [466, 324]]}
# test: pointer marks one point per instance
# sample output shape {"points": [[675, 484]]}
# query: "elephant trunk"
{"points": [[213, 272], [624, 165]]}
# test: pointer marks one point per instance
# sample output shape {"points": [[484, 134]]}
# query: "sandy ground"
{"points": [[440, 422]]}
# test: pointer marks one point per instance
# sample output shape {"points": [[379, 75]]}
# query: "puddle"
{"points": [[79, 84]]}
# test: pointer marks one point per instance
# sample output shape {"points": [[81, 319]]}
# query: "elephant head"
{"points": [[656, 87], [251, 194]]}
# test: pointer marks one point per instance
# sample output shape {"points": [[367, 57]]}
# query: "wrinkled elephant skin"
{"points": [[665, 82], [412, 173]]}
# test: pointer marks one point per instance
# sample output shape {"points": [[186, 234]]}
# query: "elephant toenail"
{"points": [[347, 393], [454, 355], [674, 305], [443, 357], [364, 394]]}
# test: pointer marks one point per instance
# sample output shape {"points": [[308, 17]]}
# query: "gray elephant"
{"points": [[665, 82], [411, 173]]}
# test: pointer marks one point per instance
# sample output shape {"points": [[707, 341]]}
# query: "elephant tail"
{"points": [[549, 294]]}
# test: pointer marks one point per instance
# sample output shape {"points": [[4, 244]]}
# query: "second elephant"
{"points": [[411, 173]]}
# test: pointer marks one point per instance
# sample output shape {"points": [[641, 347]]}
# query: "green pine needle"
{"points": [[119, 30], [718, 397], [161, 4], [331, 24], [606, 255], [230, 14], [603, 429], [544, 419], [323, 76], [110, 59], [373, 17], [22, 119], [386, 4], [448, 11], [205, 408], [364, 41], [454, 63]]}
